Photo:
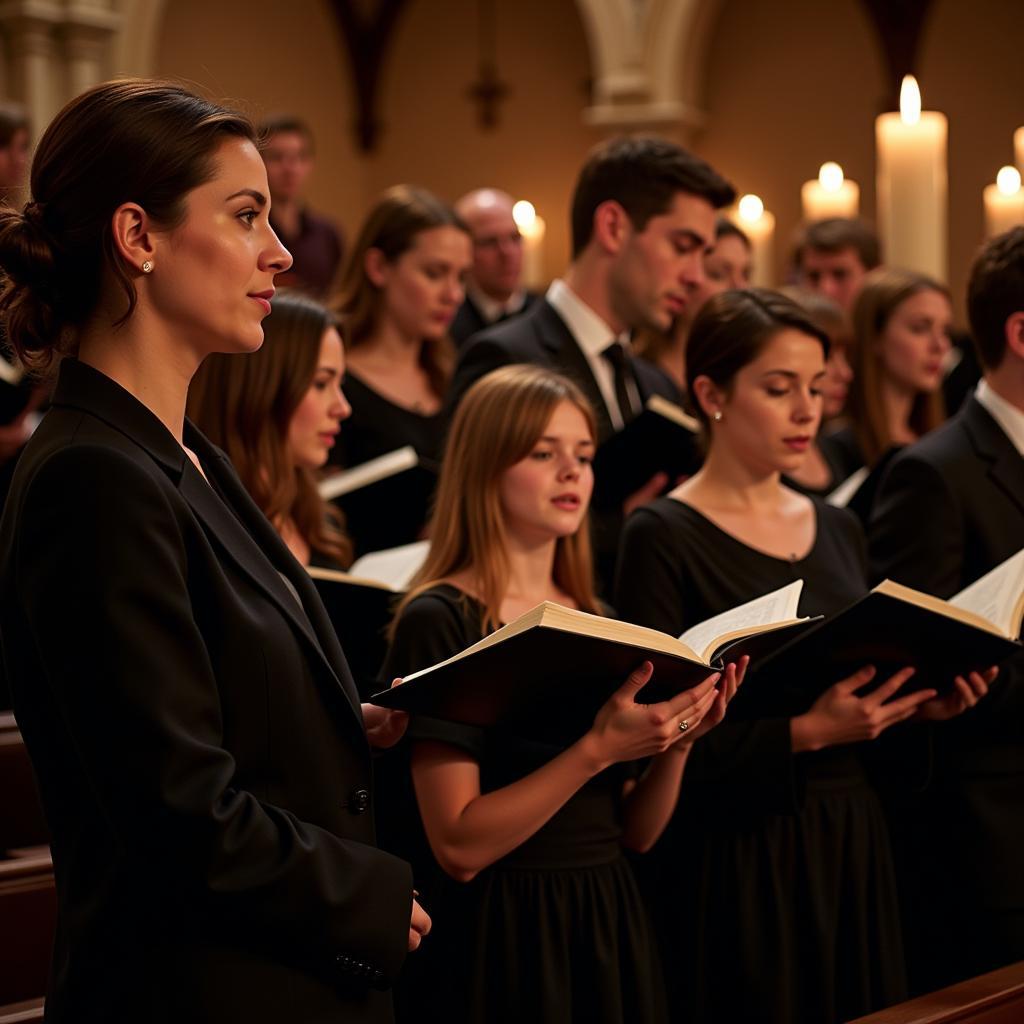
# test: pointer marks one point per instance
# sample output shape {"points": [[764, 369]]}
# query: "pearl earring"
{"points": [[718, 416], [147, 267]]}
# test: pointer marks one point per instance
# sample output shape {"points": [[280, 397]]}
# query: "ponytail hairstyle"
{"points": [[132, 140], [496, 425]]}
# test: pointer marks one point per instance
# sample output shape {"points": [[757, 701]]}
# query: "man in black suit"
{"points": [[494, 290], [643, 216], [950, 509]]}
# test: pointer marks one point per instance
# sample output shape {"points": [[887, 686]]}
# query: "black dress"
{"points": [[555, 931], [377, 427], [772, 888]]}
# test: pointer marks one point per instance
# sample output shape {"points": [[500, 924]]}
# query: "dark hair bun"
{"points": [[28, 271]]}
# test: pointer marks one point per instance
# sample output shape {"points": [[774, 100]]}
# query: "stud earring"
{"points": [[718, 416], [147, 267]]}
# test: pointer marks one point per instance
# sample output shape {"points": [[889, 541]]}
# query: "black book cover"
{"points": [[360, 613], [883, 631], [649, 444]]}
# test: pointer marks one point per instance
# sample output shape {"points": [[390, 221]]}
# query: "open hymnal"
{"points": [[570, 662], [361, 603], [895, 626]]}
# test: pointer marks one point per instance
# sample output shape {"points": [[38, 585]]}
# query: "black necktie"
{"points": [[616, 355]]}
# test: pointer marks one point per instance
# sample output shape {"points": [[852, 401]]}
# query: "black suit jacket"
{"points": [[469, 320], [542, 337], [950, 508], [196, 736]]}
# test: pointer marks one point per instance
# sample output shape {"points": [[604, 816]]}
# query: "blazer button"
{"points": [[359, 800]]}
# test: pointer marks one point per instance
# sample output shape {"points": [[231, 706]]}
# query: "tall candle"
{"points": [[532, 228], [1004, 203], [912, 185], [1018, 149], [759, 226], [830, 195]]}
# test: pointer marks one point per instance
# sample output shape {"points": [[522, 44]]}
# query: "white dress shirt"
{"points": [[593, 336], [493, 311], [1006, 414]]}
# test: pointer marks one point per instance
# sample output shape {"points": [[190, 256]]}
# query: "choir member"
{"points": [[727, 265], [823, 470], [403, 284], [277, 414], [773, 884], [950, 509], [833, 256], [643, 216], [494, 286], [202, 757], [538, 914], [901, 339]]}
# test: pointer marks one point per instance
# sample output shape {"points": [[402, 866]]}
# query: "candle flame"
{"points": [[1008, 181], [910, 101], [524, 213], [750, 208], [830, 176]]}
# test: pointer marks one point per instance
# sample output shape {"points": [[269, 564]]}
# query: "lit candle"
{"points": [[1004, 203], [1018, 149], [912, 185], [532, 228], [831, 195], [759, 226]]}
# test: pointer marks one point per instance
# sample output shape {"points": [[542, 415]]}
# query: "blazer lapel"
{"points": [[255, 552], [1006, 466], [568, 357]]}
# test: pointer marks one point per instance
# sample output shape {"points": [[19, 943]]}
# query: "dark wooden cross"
{"points": [[488, 91]]}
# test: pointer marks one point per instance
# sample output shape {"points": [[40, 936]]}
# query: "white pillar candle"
{"points": [[759, 226], [1018, 149], [830, 195], [1004, 203], [532, 228], [912, 185]]}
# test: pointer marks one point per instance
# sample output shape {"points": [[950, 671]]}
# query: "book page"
{"points": [[394, 566], [842, 495], [997, 596], [778, 606], [673, 412], [368, 473]]}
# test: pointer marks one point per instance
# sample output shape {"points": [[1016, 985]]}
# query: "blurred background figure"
{"points": [[314, 241], [494, 289], [277, 414], [832, 257]]}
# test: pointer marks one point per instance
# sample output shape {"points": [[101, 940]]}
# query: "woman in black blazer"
{"points": [[201, 753]]}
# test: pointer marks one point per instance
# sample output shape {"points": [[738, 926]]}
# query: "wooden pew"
{"points": [[994, 998], [28, 912], [27, 1012], [21, 815]]}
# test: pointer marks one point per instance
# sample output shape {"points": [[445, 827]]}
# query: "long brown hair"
{"points": [[401, 213], [245, 404], [884, 290], [496, 425]]}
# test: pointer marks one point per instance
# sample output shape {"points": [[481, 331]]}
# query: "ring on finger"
{"points": [[684, 725]]}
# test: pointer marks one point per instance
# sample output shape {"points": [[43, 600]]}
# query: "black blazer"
{"points": [[469, 320], [950, 508], [542, 337], [196, 736]]}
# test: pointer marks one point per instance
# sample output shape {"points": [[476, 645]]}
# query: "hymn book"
{"points": [[361, 602], [661, 439], [367, 473], [896, 626], [547, 673]]}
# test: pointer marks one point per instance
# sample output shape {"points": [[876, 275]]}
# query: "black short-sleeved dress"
{"points": [[772, 888], [553, 933], [377, 427]]}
